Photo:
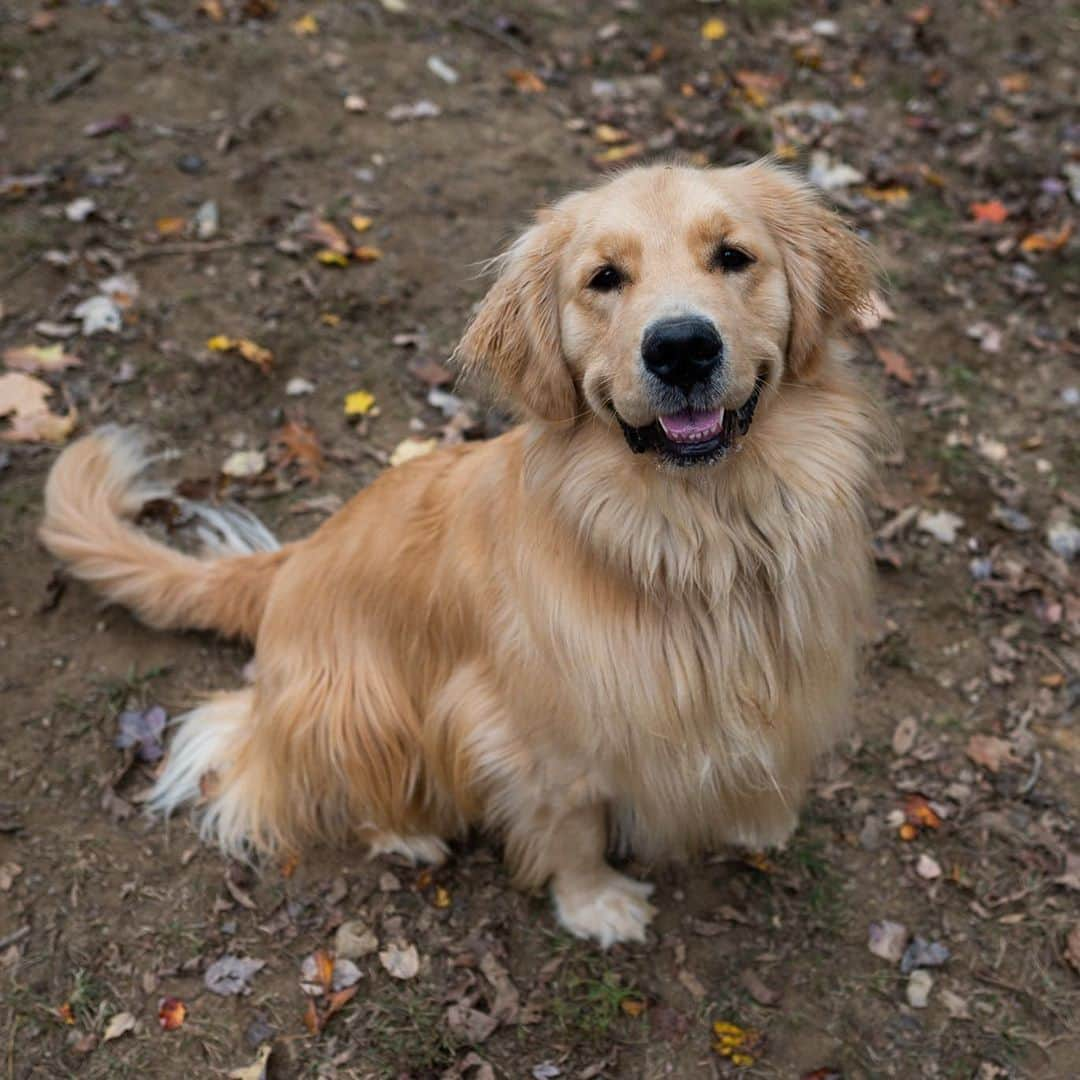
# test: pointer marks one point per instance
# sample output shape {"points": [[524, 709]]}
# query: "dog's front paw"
{"points": [[610, 909]]}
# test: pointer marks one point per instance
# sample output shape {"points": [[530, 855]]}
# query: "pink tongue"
{"points": [[683, 425]]}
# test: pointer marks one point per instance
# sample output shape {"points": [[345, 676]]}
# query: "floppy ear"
{"points": [[830, 271], [514, 340]]}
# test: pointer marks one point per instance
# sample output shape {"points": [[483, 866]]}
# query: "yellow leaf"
{"points": [[441, 898], [895, 194], [254, 354], [328, 318], [170, 226], [614, 154], [366, 253], [328, 257], [305, 26], [361, 223], [713, 29], [632, 1006], [359, 403], [411, 448], [605, 133]]}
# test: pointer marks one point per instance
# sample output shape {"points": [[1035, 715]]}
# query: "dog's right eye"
{"points": [[606, 279]]}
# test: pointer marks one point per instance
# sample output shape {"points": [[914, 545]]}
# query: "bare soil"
{"points": [[102, 912]]}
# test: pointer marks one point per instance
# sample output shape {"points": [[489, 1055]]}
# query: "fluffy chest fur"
{"points": [[704, 634]]}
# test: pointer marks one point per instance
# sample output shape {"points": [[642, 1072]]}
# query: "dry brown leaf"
{"points": [[895, 365], [991, 752], [528, 82], [23, 399], [299, 446], [326, 234]]}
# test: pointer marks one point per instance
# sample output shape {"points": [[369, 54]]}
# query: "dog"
{"points": [[629, 624]]}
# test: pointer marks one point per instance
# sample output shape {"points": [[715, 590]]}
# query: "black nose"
{"points": [[682, 352]]}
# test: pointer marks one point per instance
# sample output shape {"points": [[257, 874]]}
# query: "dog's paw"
{"points": [[613, 909], [417, 849]]}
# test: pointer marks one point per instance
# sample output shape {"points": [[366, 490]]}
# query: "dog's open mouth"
{"points": [[695, 437]]}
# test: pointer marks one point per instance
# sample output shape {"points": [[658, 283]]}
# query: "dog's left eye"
{"points": [[731, 259], [606, 279]]}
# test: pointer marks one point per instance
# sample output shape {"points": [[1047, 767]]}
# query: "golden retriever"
{"points": [[628, 623]]}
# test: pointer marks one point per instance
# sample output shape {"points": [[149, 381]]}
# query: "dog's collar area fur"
{"points": [[652, 436]]}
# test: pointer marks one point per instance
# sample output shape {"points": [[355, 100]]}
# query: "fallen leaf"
{"points": [[346, 974], [633, 1007], [41, 21], [919, 812], [528, 82], [311, 1018], [614, 154], [468, 1025], [361, 223], [1072, 947], [299, 446], [359, 403], [739, 1045], [171, 1013], [991, 752], [887, 940], [507, 999], [305, 26], [23, 399], [940, 524], [927, 867], [257, 1069], [609, 135], [1039, 242], [317, 973], [955, 1006], [99, 314], [918, 988], [66, 1013], [366, 253], [904, 735], [9, 871], [170, 226], [411, 448], [262, 358], [142, 732], [400, 962], [232, 975], [893, 195], [992, 212], [923, 954], [354, 940], [244, 464], [714, 30], [118, 1025], [31, 358], [328, 257], [895, 364]]}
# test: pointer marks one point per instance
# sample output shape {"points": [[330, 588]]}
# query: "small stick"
{"points": [[16, 935], [71, 82]]}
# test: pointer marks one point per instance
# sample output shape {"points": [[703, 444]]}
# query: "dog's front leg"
{"points": [[565, 845]]}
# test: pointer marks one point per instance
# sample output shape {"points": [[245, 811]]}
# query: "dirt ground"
{"points": [[952, 810]]}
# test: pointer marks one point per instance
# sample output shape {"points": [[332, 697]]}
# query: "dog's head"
{"points": [[665, 301]]}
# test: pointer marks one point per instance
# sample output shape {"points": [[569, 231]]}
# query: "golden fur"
{"points": [[544, 634]]}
